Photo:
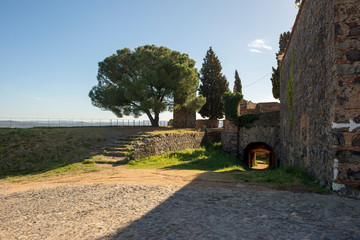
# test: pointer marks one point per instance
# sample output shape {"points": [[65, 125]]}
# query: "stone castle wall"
{"points": [[320, 88], [157, 144]]}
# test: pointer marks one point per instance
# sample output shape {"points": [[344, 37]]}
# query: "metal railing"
{"points": [[73, 122]]}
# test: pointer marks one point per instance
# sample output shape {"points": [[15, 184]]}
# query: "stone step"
{"points": [[114, 153], [113, 160], [129, 138], [117, 148], [119, 142]]}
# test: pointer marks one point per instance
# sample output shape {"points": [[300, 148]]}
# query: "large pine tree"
{"points": [[237, 83], [213, 85], [275, 78]]}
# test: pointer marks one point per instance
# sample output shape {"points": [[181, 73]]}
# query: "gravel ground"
{"points": [[103, 211]]}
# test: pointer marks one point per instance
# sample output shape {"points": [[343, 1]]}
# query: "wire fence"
{"points": [[74, 122]]}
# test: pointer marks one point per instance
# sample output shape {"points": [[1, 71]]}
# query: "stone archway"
{"points": [[254, 149]]}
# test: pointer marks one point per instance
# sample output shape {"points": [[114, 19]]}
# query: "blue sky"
{"points": [[49, 50]]}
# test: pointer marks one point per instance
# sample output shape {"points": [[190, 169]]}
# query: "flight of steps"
{"points": [[120, 150]]}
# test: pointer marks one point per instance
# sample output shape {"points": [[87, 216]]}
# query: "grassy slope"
{"points": [[26, 151], [42, 152]]}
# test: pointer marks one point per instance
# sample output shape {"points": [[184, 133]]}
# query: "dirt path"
{"points": [[123, 175], [120, 203]]}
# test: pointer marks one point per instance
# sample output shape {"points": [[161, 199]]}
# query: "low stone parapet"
{"points": [[160, 143]]}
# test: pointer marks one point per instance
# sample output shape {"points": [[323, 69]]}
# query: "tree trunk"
{"points": [[154, 121]]}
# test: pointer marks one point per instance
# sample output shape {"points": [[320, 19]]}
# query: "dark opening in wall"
{"points": [[259, 155]]}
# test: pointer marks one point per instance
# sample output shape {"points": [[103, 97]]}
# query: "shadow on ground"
{"points": [[230, 210]]}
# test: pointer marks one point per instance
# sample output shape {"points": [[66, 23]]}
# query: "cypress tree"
{"points": [[275, 78], [237, 83], [213, 86]]}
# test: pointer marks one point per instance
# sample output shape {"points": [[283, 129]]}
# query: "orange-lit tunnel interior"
{"points": [[258, 155]]}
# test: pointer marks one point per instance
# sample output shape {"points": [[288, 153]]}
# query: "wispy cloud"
{"points": [[255, 51], [42, 100], [258, 44]]}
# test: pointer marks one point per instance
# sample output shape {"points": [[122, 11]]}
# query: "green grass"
{"points": [[39, 150], [287, 175], [88, 161], [283, 177], [74, 168], [208, 158], [177, 131], [30, 154], [213, 158]]}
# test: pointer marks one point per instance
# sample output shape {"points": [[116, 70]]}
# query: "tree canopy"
{"points": [[237, 83], [145, 81], [213, 86], [275, 78]]}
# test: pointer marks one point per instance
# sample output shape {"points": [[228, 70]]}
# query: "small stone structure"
{"points": [[262, 132], [248, 107], [183, 119], [157, 144]]}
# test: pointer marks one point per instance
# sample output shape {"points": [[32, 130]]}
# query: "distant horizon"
{"points": [[50, 50]]}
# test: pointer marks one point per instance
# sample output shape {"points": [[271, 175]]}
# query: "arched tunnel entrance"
{"points": [[259, 155]]}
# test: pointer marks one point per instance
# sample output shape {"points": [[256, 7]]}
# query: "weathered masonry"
{"points": [[319, 97], [261, 135], [320, 93]]}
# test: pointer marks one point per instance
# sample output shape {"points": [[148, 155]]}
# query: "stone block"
{"points": [[348, 156], [356, 141], [353, 55]]}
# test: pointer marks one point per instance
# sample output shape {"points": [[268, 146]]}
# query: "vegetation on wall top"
{"points": [[275, 78], [231, 104], [289, 90], [245, 120]]}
